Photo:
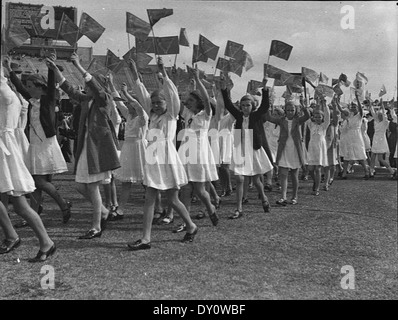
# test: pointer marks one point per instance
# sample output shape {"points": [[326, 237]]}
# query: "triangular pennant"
{"points": [[234, 50], [183, 39], [197, 55], [90, 28], [280, 49], [137, 27], [155, 15], [207, 48], [68, 30]]}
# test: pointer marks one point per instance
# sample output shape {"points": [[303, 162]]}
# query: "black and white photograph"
{"points": [[197, 158]]}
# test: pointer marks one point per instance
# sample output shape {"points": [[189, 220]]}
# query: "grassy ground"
{"points": [[295, 252]]}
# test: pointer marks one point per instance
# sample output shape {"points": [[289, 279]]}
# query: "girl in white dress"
{"points": [[395, 120], [15, 178], [249, 157], [380, 145], [317, 148], [195, 151], [44, 155], [163, 168], [132, 158], [331, 143], [354, 145]]}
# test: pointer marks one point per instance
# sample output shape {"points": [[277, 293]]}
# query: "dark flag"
{"points": [[155, 15], [159, 45], [183, 39], [280, 49], [141, 59], [16, 35], [90, 28], [223, 65], [197, 55], [207, 48], [137, 27], [112, 62], [68, 30], [234, 50]]}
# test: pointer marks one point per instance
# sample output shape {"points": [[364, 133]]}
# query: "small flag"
{"points": [[310, 76], [338, 90], [207, 48], [335, 82], [90, 28], [383, 91], [141, 59], [294, 88], [96, 67], [323, 89], [344, 80], [137, 27], [280, 49], [323, 78], [276, 73], [112, 62], [253, 86], [222, 64], [155, 15], [16, 35], [359, 83], [234, 50], [183, 39], [68, 30], [159, 45], [36, 24], [197, 55], [246, 61]]}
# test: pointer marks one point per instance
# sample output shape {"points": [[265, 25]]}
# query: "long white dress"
{"points": [[245, 160], [44, 155], [355, 149], [15, 179], [380, 144], [195, 151], [272, 133]]}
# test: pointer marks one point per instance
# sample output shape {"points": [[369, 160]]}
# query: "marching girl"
{"points": [[44, 155], [331, 143], [132, 157], [249, 133], [365, 136], [380, 145], [317, 148], [395, 120], [163, 167], [290, 155], [354, 144], [96, 154], [201, 166], [15, 178]]}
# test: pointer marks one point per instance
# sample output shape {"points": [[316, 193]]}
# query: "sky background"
{"points": [[313, 28]]}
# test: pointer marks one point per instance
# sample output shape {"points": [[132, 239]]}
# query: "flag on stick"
{"points": [[36, 24], [359, 83], [246, 61], [141, 59], [164, 45], [207, 48], [338, 90], [155, 15], [223, 65], [344, 80], [335, 82], [68, 30], [234, 50], [323, 78], [137, 27], [280, 49], [310, 76], [383, 91], [253, 86], [235, 67], [90, 28], [323, 89], [276, 73], [183, 39], [16, 35]]}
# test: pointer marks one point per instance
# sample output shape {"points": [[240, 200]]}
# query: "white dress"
{"points": [[82, 175], [23, 141], [15, 179], [272, 133], [195, 151], [44, 155], [245, 160], [317, 149], [343, 141], [290, 157], [132, 157], [380, 144], [226, 138], [355, 148]]}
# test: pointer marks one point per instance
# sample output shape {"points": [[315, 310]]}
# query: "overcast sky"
{"points": [[313, 28]]}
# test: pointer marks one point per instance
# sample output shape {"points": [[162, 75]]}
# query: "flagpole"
{"points": [[154, 44], [175, 60], [128, 40]]}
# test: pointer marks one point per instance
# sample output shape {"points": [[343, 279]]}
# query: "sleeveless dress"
{"points": [[355, 148], [380, 144]]}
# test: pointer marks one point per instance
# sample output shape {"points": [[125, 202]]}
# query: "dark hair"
{"points": [[38, 80], [196, 95]]}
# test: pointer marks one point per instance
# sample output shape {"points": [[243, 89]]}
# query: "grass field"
{"points": [[294, 252]]}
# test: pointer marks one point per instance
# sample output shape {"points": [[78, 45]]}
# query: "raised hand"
{"points": [[223, 81], [51, 64], [75, 58], [7, 63], [124, 88]]}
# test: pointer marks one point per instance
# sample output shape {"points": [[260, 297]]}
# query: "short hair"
{"points": [[248, 97], [38, 80], [197, 96], [159, 93]]}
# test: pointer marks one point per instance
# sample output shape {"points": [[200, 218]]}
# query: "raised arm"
{"points": [[392, 112], [383, 110], [339, 107], [227, 99], [15, 80], [139, 89], [133, 102], [335, 114], [264, 106], [171, 91], [202, 90], [360, 109], [304, 108], [326, 113]]}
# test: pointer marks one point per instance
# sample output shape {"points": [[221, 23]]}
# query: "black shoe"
{"points": [[114, 215], [237, 214], [266, 206], [158, 216], [190, 236], [228, 193], [138, 245], [91, 234], [214, 218], [268, 187], [181, 227], [9, 245], [282, 202], [21, 224], [245, 200], [43, 256], [66, 213]]}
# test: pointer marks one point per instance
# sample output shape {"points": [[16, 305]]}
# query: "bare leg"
{"points": [[5, 223], [82, 188], [294, 173], [240, 180], [283, 175], [200, 191], [178, 206], [42, 183], [150, 198], [260, 187]]}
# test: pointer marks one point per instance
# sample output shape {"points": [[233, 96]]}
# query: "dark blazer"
{"points": [[295, 132], [102, 143], [255, 121], [47, 103]]}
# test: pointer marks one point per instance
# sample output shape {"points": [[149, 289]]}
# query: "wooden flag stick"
{"points": [[175, 60]]}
